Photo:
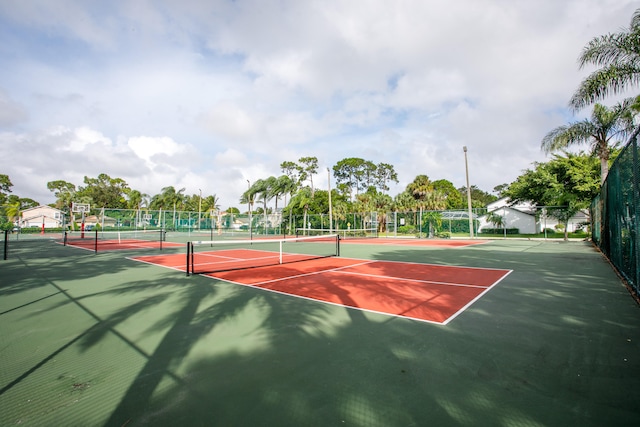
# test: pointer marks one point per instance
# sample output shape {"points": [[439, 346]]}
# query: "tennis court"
{"points": [[101, 339], [97, 240], [446, 243], [425, 292]]}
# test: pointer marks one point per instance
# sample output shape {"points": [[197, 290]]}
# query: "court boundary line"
{"points": [[395, 261], [392, 240], [302, 275], [153, 263], [441, 265], [124, 246], [258, 285], [463, 285], [365, 262], [390, 315], [470, 303]]}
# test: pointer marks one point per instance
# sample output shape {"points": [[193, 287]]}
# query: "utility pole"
{"points": [[330, 207], [466, 169], [249, 203], [199, 207]]}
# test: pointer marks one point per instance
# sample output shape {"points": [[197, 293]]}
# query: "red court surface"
{"points": [[123, 244], [443, 243], [424, 292]]}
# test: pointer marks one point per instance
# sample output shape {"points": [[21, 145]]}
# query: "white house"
{"points": [[41, 215], [528, 219], [104, 221]]}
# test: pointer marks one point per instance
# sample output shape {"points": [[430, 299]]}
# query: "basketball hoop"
{"points": [[80, 207]]}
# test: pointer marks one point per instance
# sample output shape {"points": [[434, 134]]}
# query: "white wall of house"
{"points": [[523, 217], [39, 215], [512, 218], [98, 219], [575, 222]]}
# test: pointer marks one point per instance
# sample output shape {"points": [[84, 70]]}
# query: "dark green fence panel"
{"points": [[615, 216]]}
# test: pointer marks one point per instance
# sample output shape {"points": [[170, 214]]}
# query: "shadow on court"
{"points": [[101, 340]]}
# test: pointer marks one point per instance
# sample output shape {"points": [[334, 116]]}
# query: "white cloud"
{"points": [[11, 113], [231, 122], [148, 148], [205, 95]]}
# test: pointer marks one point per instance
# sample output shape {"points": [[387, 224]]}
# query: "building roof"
{"points": [[40, 207]]}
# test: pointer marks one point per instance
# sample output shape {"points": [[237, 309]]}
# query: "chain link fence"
{"points": [[615, 214], [218, 222]]}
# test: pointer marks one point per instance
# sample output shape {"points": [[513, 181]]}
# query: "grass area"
{"points": [[547, 235]]}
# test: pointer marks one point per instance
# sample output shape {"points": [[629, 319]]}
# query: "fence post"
{"points": [[636, 223]]}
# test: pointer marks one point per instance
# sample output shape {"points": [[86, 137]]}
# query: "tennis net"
{"points": [[108, 240], [225, 255], [359, 233]]}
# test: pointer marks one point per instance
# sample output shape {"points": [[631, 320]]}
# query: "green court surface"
{"points": [[101, 340]]}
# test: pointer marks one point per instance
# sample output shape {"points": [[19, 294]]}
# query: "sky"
{"points": [[207, 95]]}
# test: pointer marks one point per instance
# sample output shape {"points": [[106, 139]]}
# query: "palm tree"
{"points": [[618, 56], [135, 201], [378, 202], [264, 188], [496, 219], [434, 220], [602, 131], [305, 197], [309, 168], [404, 202], [289, 184], [248, 198], [13, 211], [210, 203], [340, 209], [167, 198], [426, 196], [281, 187]]}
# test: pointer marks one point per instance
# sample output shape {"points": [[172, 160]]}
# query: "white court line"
{"points": [[401, 279], [309, 274], [364, 262], [156, 264], [462, 309]]}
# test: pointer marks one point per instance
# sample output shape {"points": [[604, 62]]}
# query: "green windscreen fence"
{"points": [[615, 213]]}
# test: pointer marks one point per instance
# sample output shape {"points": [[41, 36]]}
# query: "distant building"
{"points": [[41, 215], [527, 218], [104, 221]]}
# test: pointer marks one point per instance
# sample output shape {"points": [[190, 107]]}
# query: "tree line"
{"points": [[360, 186]]}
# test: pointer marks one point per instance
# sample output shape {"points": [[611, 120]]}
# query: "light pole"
{"points": [[330, 207], [199, 207], [249, 204], [466, 169]]}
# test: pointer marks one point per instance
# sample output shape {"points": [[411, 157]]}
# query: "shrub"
{"points": [[500, 231], [407, 229]]}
